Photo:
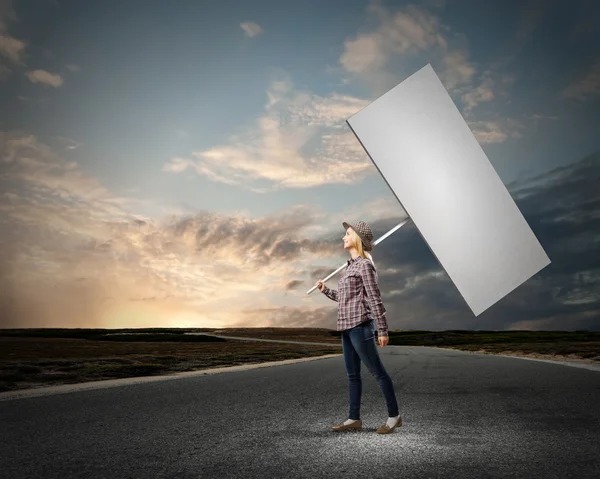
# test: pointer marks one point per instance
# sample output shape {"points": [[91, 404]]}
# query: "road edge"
{"points": [[108, 383]]}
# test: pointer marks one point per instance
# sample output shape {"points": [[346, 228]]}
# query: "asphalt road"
{"points": [[465, 415]]}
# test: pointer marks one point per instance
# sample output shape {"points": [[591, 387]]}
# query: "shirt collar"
{"points": [[350, 261]]}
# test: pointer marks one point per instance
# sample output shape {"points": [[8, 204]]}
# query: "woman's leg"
{"points": [[363, 340], [352, 362]]}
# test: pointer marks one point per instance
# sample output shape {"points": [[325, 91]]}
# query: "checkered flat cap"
{"points": [[363, 230]]}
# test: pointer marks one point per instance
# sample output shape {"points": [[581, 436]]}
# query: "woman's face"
{"points": [[347, 239]]}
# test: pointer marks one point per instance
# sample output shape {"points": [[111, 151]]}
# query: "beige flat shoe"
{"points": [[355, 426], [385, 429]]}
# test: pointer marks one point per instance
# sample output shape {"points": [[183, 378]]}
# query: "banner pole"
{"points": [[379, 240]]}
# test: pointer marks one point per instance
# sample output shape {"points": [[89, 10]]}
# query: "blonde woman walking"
{"points": [[359, 306]]}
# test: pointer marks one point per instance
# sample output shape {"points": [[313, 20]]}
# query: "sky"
{"points": [[188, 164]]}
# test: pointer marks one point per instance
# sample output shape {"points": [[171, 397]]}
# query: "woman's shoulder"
{"points": [[365, 262]]}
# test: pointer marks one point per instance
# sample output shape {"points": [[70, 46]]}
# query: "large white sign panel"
{"points": [[424, 149]]}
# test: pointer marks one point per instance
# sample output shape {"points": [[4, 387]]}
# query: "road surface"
{"points": [[465, 415]]}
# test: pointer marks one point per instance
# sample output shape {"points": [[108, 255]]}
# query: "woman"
{"points": [[359, 303]]}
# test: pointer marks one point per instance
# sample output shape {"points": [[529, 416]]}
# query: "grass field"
{"points": [[31, 358], [583, 345]]}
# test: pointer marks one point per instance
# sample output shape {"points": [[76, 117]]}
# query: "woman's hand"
{"points": [[319, 284], [383, 340]]}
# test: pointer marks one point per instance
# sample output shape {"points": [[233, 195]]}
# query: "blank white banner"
{"points": [[425, 151]]}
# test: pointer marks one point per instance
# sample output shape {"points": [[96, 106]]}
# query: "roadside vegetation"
{"points": [[31, 358]]}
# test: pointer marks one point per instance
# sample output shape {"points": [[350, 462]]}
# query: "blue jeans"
{"points": [[359, 345]]}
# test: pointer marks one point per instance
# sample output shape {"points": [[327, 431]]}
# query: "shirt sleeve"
{"points": [[369, 278], [330, 293]]}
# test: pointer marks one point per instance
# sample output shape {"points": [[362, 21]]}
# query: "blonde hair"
{"points": [[357, 243]]}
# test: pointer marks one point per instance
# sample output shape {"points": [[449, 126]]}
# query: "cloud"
{"points": [[385, 206], [536, 117], [496, 131], [178, 165], [63, 225], [251, 29], [483, 93], [73, 68], [362, 54], [563, 209], [300, 141], [494, 81], [398, 39], [55, 215], [75, 255], [457, 70], [294, 284], [44, 77], [11, 48], [585, 87], [486, 126]]}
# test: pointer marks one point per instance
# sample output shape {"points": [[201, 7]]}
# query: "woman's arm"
{"points": [[330, 293], [369, 278]]}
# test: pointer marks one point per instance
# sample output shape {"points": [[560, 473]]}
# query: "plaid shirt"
{"points": [[358, 299]]}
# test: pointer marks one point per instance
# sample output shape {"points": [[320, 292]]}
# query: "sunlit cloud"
{"points": [[418, 294], [483, 93], [300, 141], [251, 29], [496, 131], [11, 48], [75, 254], [407, 33], [44, 77]]}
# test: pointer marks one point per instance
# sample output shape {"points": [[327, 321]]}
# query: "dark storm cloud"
{"points": [[272, 238], [294, 284], [562, 208]]}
